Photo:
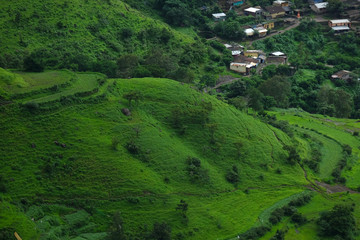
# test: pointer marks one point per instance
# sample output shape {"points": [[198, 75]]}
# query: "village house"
{"points": [[256, 12], [249, 32], [243, 64], [275, 11], [219, 16], [268, 25], [319, 7], [235, 3], [277, 58], [253, 53], [340, 25], [261, 30], [281, 3], [343, 75], [239, 67], [235, 49]]}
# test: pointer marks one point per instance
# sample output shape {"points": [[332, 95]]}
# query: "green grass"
{"points": [[215, 209], [91, 181], [84, 82], [47, 79], [339, 130]]}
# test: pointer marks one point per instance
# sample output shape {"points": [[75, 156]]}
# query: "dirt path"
{"points": [[225, 80], [297, 23], [335, 188]]}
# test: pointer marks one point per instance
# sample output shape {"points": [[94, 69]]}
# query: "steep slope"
{"points": [[91, 156]]}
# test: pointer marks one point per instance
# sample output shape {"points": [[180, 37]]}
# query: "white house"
{"points": [[319, 7], [219, 16]]}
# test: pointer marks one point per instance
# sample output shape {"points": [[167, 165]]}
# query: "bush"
{"points": [[132, 147], [347, 149], [195, 171], [232, 175], [298, 218], [339, 221], [31, 106]]}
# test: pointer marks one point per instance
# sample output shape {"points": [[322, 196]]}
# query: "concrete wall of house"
{"points": [[269, 25], [237, 68], [251, 54]]}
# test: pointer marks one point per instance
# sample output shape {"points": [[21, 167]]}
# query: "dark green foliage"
{"points": [[239, 102], [132, 147], [289, 210], [237, 88], [232, 175], [255, 99], [294, 156], [161, 231], [34, 63], [2, 185], [196, 172], [337, 222], [276, 216], [298, 218], [278, 88], [229, 30], [279, 235], [182, 207], [300, 201], [254, 233], [116, 231], [347, 149], [7, 233]]}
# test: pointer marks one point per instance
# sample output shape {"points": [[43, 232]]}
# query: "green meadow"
{"points": [[68, 166]]}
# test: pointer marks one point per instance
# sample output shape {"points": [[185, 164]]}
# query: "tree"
{"points": [[255, 99], [278, 88], [339, 221], [161, 231], [182, 207], [116, 229], [335, 7], [34, 63]]}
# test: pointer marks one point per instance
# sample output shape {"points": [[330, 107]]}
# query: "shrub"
{"points": [[347, 149], [195, 171], [339, 221], [31, 106], [132, 147], [298, 218], [161, 231], [232, 175]]}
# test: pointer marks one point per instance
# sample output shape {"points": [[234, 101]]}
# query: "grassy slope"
{"points": [[89, 170], [78, 28]]}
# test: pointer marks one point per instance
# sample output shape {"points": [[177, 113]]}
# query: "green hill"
{"points": [[76, 159], [148, 173], [102, 36]]}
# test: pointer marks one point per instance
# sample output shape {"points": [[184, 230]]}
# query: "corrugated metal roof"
{"points": [[251, 9], [340, 28], [278, 53], [218, 15], [340, 21], [321, 5]]}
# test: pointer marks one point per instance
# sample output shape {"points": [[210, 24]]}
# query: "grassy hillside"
{"points": [[76, 159], [102, 36], [147, 183]]}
